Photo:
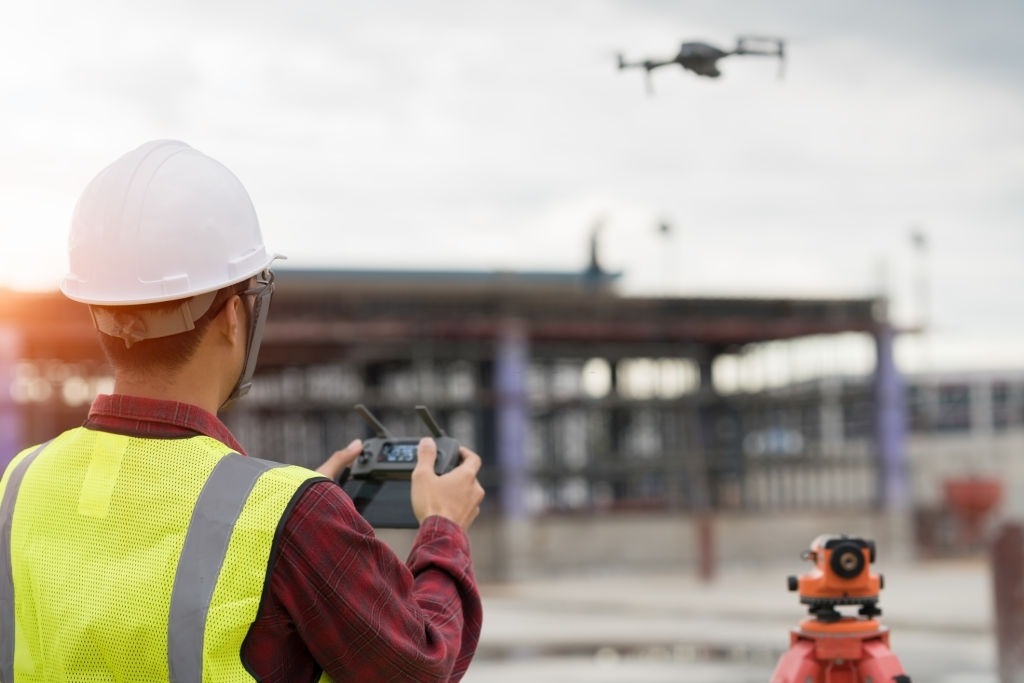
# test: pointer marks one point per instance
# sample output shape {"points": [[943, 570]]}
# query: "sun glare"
{"points": [[23, 269], [33, 256]]}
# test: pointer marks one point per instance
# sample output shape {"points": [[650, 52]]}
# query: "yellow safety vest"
{"points": [[134, 559]]}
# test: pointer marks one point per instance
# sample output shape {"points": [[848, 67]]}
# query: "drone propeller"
{"points": [[648, 81], [779, 51], [648, 65]]}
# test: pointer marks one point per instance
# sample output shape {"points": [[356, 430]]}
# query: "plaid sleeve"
{"points": [[360, 611]]}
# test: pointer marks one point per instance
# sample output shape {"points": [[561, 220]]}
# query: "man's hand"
{"points": [[456, 494], [339, 460]]}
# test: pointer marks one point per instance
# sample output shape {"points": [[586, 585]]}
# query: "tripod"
{"points": [[829, 646]]}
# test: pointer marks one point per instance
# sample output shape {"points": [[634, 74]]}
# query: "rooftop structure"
{"points": [[476, 345]]}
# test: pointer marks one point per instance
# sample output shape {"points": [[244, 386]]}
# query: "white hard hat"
{"points": [[161, 223]]}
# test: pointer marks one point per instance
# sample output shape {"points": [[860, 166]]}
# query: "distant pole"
{"points": [[666, 233], [922, 293], [919, 240], [1007, 562]]}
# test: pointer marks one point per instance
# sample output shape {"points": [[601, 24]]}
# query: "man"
{"points": [[144, 545]]}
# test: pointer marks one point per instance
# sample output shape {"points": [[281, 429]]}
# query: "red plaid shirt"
{"points": [[339, 598]]}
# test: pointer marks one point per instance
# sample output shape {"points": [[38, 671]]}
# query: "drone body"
{"points": [[702, 58]]}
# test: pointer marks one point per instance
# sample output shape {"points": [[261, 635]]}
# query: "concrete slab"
{"points": [[667, 626]]}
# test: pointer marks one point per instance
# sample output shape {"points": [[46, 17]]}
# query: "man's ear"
{"points": [[230, 317]]}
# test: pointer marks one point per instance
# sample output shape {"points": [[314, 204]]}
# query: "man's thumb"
{"points": [[426, 454]]}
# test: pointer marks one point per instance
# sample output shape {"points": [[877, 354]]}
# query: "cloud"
{"points": [[493, 134]]}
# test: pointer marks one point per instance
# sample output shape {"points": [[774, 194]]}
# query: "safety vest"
{"points": [[135, 559]]}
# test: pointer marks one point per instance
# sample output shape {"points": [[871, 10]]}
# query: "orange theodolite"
{"points": [[830, 646]]}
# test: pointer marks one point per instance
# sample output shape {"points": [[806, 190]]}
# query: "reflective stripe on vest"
{"points": [[156, 573], [16, 474], [206, 545]]}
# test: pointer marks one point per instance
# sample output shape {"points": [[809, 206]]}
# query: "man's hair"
{"points": [[164, 353]]}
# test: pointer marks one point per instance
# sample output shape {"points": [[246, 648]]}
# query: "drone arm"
{"points": [[651, 64], [646, 65]]}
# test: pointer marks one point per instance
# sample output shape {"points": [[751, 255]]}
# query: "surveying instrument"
{"points": [[829, 646]]}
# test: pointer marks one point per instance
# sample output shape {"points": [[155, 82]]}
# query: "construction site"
{"points": [[613, 444]]}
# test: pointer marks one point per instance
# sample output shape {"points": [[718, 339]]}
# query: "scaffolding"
{"points": [[576, 397]]}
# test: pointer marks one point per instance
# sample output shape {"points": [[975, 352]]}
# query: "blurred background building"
{"points": [[616, 430]]}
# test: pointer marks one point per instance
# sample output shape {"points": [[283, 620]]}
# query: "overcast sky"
{"points": [[489, 135]]}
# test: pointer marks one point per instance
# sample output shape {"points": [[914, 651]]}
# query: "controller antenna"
{"points": [[429, 420], [381, 430]]}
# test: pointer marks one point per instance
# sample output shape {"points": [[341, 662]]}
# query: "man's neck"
{"points": [[170, 389]]}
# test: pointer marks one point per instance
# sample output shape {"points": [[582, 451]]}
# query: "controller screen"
{"points": [[398, 453]]}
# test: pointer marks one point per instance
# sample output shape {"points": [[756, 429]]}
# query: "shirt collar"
{"points": [[150, 417]]}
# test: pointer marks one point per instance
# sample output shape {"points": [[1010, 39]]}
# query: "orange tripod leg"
{"points": [[880, 664], [798, 665]]}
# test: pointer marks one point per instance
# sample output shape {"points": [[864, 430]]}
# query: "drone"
{"points": [[702, 58]]}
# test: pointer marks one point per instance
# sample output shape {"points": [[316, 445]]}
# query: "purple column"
{"points": [[511, 368], [10, 417], [890, 424]]}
